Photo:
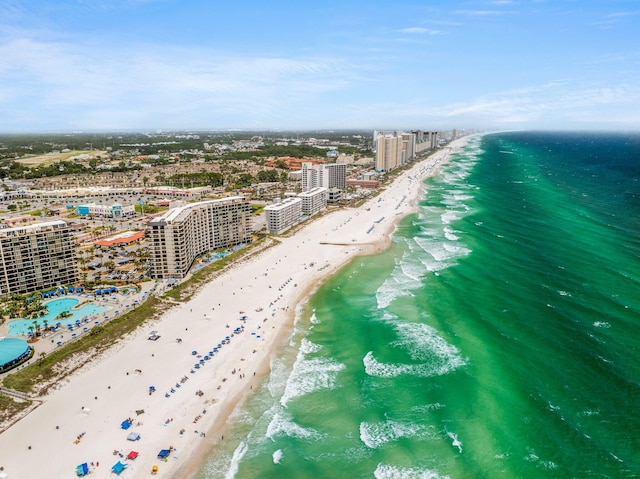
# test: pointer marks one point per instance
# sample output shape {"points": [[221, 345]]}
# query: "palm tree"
{"points": [[45, 323]]}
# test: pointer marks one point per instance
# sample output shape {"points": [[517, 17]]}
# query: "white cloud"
{"points": [[157, 84], [480, 13], [420, 31]]}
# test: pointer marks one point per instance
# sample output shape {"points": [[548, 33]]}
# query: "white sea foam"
{"points": [[238, 454], [423, 343], [449, 234], [313, 319], [454, 441], [310, 374], [405, 277], [282, 424], [375, 368], [374, 435], [449, 216], [308, 347], [387, 471], [442, 251], [277, 456], [602, 324]]}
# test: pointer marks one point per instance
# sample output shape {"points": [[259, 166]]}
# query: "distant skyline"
{"points": [[80, 65]]}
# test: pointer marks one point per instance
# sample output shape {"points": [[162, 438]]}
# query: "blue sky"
{"points": [[269, 64]]}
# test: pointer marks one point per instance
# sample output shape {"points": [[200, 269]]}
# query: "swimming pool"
{"points": [[20, 327]]}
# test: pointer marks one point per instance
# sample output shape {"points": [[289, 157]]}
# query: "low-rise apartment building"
{"points": [[313, 201], [283, 215]]}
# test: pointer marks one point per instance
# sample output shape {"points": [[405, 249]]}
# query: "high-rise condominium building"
{"points": [[182, 234], [395, 149], [37, 257], [333, 175]]}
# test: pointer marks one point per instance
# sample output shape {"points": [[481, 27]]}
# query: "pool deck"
{"points": [[116, 302]]}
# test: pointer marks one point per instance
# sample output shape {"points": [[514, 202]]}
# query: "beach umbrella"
{"points": [[73, 335], [194, 352], [118, 467], [163, 453], [59, 343]]}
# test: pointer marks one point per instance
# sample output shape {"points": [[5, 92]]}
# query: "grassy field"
{"points": [[53, 157]]}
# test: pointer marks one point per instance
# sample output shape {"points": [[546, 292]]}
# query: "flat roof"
{"points": [[283, 204], [32, 228], [173, 214]]}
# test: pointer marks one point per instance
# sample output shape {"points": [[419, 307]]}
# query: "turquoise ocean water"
{"points": [[498, 338]]}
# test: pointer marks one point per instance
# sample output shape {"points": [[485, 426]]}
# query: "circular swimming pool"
{"points": [[12, 351]]}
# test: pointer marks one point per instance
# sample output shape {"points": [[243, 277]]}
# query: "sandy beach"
{"points": [[253, 303]]}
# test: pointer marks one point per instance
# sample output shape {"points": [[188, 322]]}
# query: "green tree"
{"points": [[244, 180], [268, 176]]}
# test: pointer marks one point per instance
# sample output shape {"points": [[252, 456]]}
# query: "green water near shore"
{"points": [[498, 337]]}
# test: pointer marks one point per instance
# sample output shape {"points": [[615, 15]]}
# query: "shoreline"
{"points": [[90, 405]]}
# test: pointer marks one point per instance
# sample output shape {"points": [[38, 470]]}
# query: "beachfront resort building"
{"points": [[283, 215], [182, 234], [313, 201], [37, 257], [393, 149], [333, 175]]}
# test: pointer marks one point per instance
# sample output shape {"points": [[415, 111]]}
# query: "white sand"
{"points": [[276, 280]]}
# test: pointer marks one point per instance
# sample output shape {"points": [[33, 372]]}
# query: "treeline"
{"points": [[197, 179], [214, 179], [14, 170]]}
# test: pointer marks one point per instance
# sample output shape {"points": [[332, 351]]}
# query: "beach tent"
{"points": [[118, 467], [132, 455], [133, 436], [82, 470], [163, 453], [126, 424]]}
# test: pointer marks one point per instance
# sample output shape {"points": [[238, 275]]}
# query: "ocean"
{"points": [[499, 336]]}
